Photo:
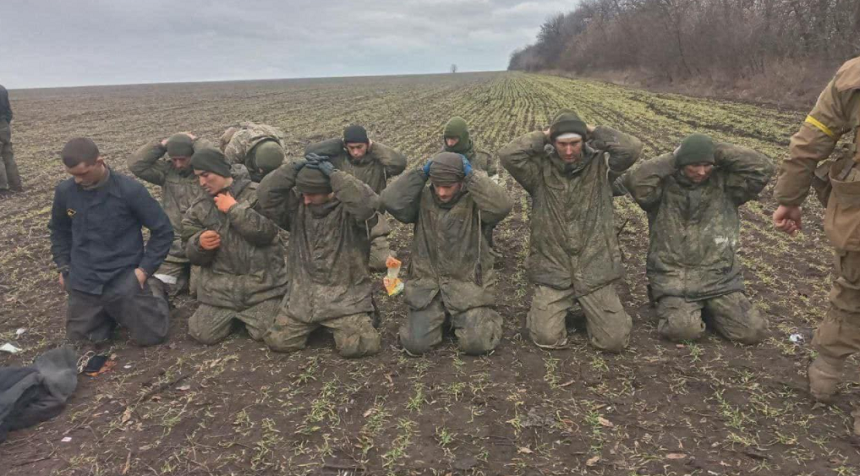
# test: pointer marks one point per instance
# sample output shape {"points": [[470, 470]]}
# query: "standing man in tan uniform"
{"points": [[837, 183]]}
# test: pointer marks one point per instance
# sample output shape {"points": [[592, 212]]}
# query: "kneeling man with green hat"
{"points": [[242, 274], [330, 215], [451, 276], [692, 197], [573, 250]]}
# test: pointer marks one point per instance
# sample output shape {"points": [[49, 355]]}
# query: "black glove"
{"points": [[321, 163]]}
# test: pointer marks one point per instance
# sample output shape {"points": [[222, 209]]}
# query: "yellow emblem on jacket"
{"points": [[70, 212]]}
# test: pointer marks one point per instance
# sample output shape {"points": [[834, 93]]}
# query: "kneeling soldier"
{"points": [[329, 214], [692, 198], [242, 275], [451, 271]]}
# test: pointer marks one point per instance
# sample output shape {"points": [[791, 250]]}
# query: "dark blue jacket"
{"points": [[96, 234]]}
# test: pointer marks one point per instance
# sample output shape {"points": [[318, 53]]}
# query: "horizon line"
{"points": [[247, 80]]}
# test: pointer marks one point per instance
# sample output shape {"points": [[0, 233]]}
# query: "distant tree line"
{"points": [[679, 39]]}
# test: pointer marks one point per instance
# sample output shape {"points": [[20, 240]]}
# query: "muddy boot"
{"points": [[824, 376], [379, 253]]}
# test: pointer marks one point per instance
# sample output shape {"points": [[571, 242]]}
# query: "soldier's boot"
{"points": [[379, 253], [824, 375]]}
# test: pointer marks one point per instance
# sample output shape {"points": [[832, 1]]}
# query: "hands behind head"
{"points": [[427, 168], [320, 162], [224, 202], [467, 166], [210, 240]]}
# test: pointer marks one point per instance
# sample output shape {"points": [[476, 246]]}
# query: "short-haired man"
{"points": [[242, 276], [97, 244]]}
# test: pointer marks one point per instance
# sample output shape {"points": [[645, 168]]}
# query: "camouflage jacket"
{"points": [[375, 168], [179, 188], [238, 146], [573, 238], [329, 244], [836, 113], [248, 268], [450, 253], [694, 229]]}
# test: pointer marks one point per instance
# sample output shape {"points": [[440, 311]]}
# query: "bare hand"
{"points": [[164, 142], [141, 276], [62, 282], [210, 240], [589, 128], [546, 133], [787, 219], [190, 135], [224, 202]]}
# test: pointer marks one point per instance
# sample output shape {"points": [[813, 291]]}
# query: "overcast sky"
{"points": [[46, 43]]}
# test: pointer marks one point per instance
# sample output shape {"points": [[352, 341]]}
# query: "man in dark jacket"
{"points": [[451, 269], [373, 163], [10, 179], [329, 214], [574, 255], [97, 244], [692, 197], [242, 275]]}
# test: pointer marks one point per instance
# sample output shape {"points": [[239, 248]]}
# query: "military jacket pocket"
{"points": [[842, 217]]}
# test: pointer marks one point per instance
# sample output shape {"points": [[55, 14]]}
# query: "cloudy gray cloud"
{"points": [[76, 42]]}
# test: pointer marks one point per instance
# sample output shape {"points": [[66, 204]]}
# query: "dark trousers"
{"points": [[144, 312]]}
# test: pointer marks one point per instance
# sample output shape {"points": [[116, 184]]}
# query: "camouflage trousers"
{"points": [[380, 249], [144, 312], [354, 335], [478, 330], [732, 316], [607, 323], [178, 277], [211, 324], [10, 178], [838, 335]]}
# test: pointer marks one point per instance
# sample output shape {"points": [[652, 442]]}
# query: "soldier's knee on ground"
{"points": [[152, 337], [360, 344], [753, 333], [680, 331], [679, 320], [544, 336], [613, 341], [478, 330], [412, 343], [205, 335], [280, 343]]}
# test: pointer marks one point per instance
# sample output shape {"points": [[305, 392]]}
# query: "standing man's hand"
{"points": [[787, 219], [224, 202], [62, 282], [210, 240], [141, 276]]}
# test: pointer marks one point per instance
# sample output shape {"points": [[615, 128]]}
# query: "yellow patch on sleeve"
{"points": [[70, 212], [820, 126]]}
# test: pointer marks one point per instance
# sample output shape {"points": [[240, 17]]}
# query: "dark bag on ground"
{"points": [[31, 395]]}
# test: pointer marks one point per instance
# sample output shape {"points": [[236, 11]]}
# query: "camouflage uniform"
{"points": [[238, 144], [574, 253], [693, 240], [10, 179], [836, 113], [451, 269], [375, 168], [329, 284], [179, 189], [244, 279]]}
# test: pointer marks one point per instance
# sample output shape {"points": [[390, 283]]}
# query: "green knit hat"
{"points": [[210, 159], [695, 149], [457, 127], [180, 145], [567, 121], [311, 180], [268, 156]]}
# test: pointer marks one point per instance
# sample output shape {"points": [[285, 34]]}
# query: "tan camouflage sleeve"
{"points": [[814, 142]]}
